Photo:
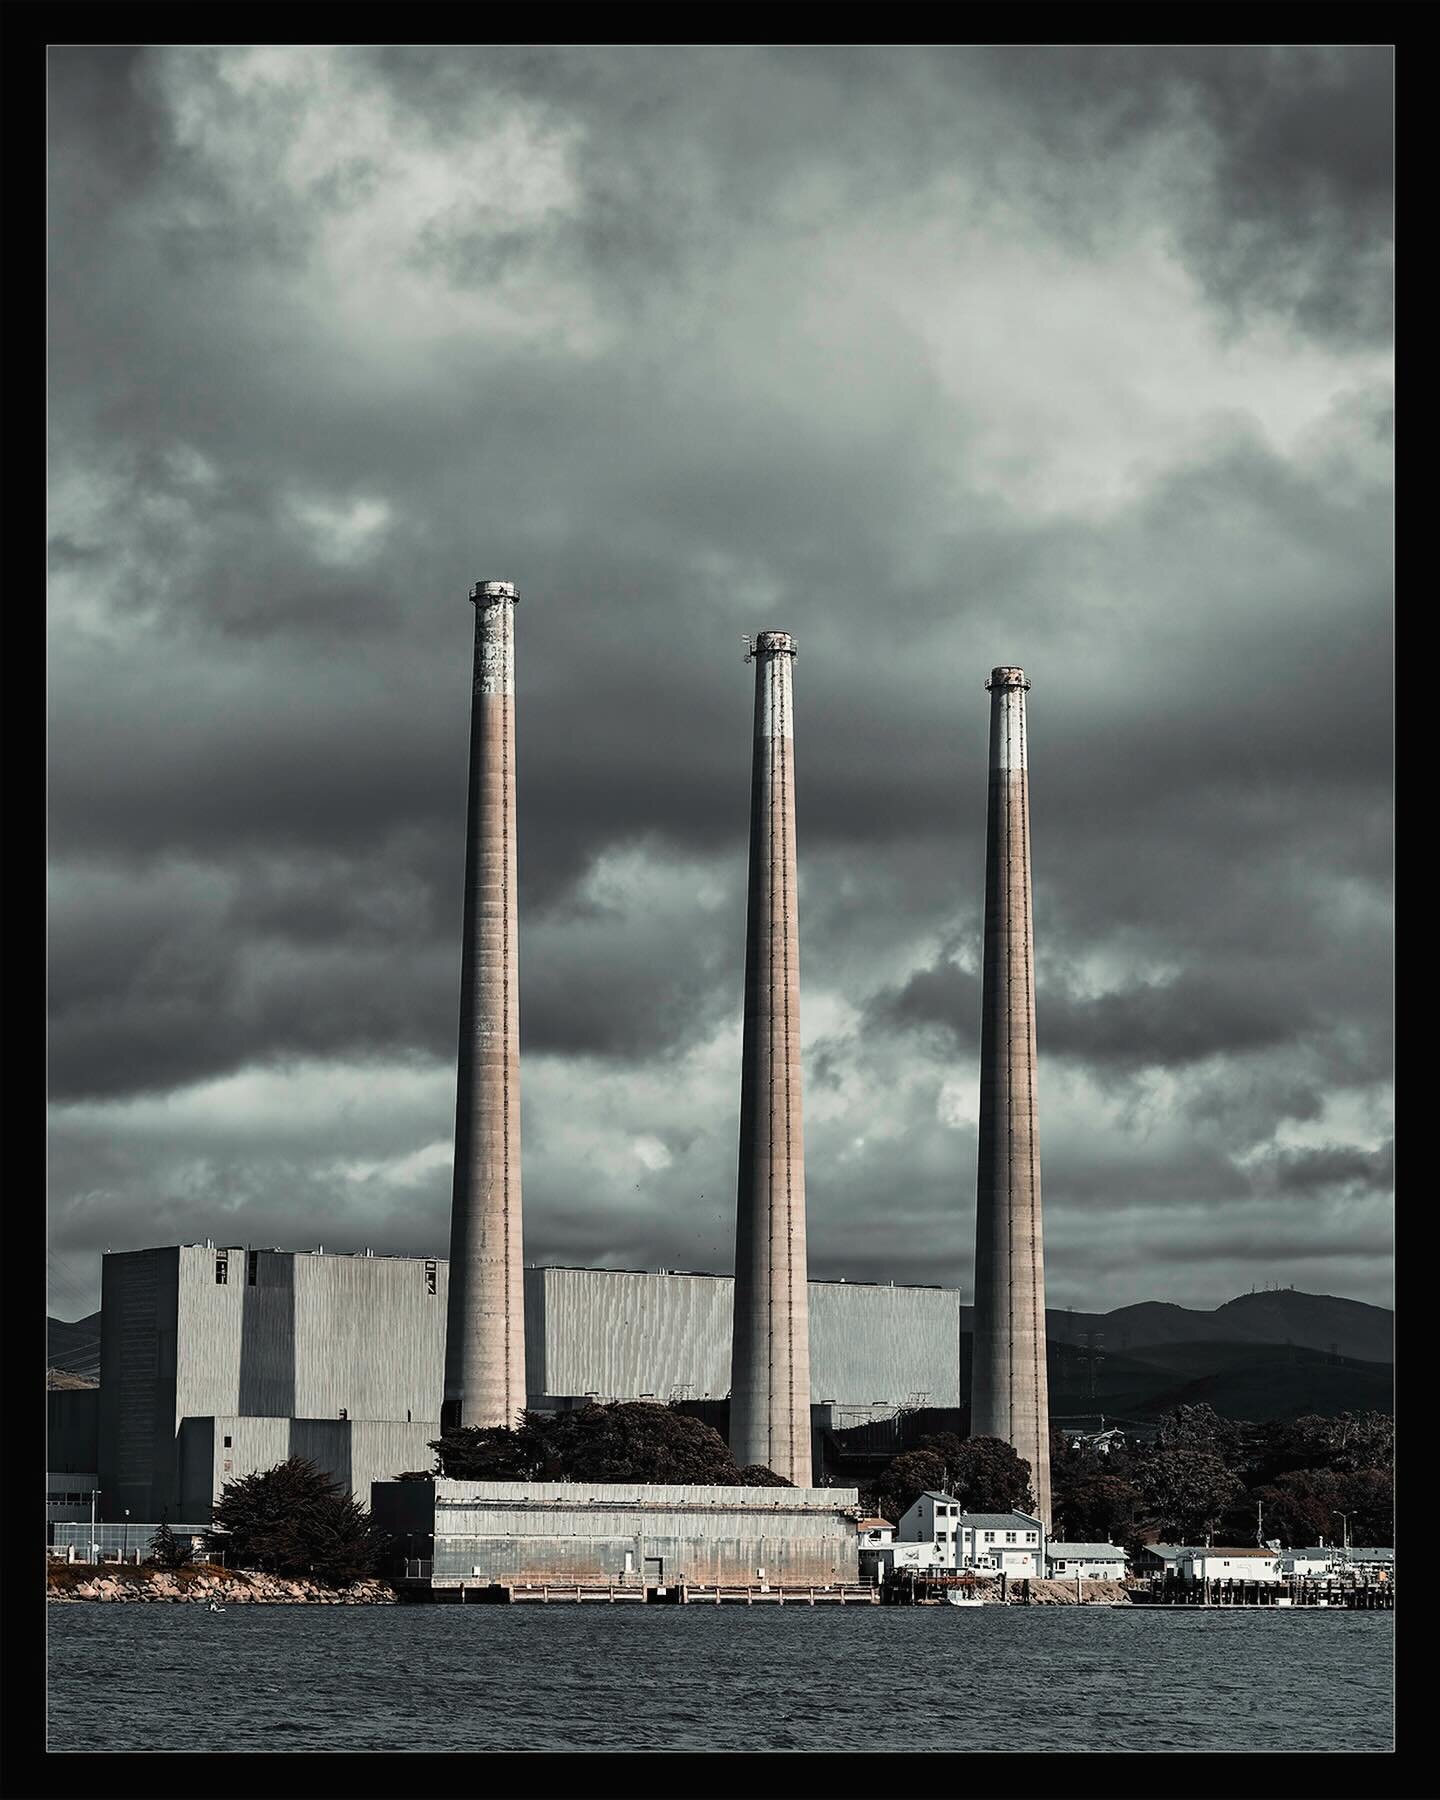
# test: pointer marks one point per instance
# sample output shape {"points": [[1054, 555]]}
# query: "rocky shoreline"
{"points": [[206, 1585]]}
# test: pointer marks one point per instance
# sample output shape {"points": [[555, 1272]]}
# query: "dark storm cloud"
{"points": [[1297, 216], [690, 343], [1158, 1024]]}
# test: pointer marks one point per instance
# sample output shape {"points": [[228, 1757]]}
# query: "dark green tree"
{"points": [[757, 1475], [911, 1474], [497, 1452], [1349, 1444], [1093, 1509], [639, 1441], [166, 1550], [1296, 1509], [294, 1520], [984, 1474], [1187, 1491], [989, 1476], [1368, 1498], [633, 1440]]}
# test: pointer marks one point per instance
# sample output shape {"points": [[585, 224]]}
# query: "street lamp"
{"points": [[125, 1541]]}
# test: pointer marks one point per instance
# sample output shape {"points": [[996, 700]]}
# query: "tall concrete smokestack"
{"points": [[770, 1364], [485, 1326], [1009, 1398]]}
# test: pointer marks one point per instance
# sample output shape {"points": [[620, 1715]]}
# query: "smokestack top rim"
{"points": [[489, 593], [775, 643], [1007, 675]]}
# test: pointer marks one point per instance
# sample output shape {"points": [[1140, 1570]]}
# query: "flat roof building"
{"points": [[206, 1332], [468, 1534]]}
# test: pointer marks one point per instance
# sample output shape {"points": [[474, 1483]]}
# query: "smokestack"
{"points": [[485, 1328], [770, 1363], [1009, 1397]]}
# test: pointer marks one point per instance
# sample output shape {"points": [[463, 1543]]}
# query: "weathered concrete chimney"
{"points": [[1009, 1398], [485, 1325], [770, 1364]]}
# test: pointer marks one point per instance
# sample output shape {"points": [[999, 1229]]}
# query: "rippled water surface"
{"points": [[411, 1678]]}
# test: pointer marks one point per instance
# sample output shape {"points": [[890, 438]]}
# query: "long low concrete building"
{"points": [[513, 1533]]}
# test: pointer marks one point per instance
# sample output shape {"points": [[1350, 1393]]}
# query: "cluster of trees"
{"points": [[983, 1473], [629, 1441], [293, 1520], [1282, 1480]]}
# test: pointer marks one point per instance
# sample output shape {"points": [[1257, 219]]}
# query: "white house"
{"points": [[1228, 1563], [875, 1531], [1011, 1543], [1307, 1562], [1096, 1562]]}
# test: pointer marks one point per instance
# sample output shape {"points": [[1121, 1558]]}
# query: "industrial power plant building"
{"points": [[479, 1534], [217, 1362]]}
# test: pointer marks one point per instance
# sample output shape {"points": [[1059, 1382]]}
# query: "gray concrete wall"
{"points": [[354, 1453]]}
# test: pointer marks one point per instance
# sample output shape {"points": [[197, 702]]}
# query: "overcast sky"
{"points": [[1077, 358]]}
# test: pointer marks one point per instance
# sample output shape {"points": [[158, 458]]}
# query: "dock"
{"points": [[557, 1593]]}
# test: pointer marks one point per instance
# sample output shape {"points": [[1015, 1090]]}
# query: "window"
{"points": [[227, 1443], [222, 1271], [989, 1537], [344, 1413], [1009, 1537]]}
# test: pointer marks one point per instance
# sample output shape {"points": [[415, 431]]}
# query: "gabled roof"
{"points": [[874, 1525]]}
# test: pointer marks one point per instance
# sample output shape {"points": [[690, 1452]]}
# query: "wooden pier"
{"points": [[1213, 1595], [556, 1593]]}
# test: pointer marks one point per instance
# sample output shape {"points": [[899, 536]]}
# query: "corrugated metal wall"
{"points": [[580, 1532], [622, 1335]]}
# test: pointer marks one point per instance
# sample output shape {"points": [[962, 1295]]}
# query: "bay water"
{"points": [[602, 1678]]}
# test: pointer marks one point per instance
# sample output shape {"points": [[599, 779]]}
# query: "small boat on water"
{"points": [[957, 1599]]}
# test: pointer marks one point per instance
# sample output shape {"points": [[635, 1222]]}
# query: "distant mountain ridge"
{"points": [[74, 1349], [1350, 1328], [1152, 1350]]}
